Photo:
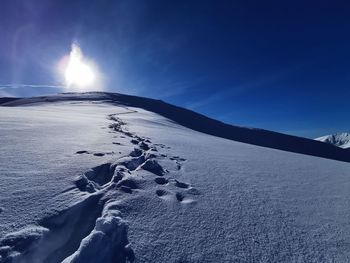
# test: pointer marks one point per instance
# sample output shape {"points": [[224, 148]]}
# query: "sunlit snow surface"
{"points": [[210, 199]]}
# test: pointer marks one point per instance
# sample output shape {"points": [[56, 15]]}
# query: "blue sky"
{"points": [[278, 65]]}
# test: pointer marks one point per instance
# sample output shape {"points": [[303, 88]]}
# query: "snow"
{"points": [[91, 181], [107, 242], [38, 150], [340, 139]]}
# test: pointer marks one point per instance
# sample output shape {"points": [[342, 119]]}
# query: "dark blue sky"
{"points": [[278, 65]]}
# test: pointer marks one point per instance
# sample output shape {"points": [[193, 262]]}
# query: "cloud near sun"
{"points": [[79, 73]]}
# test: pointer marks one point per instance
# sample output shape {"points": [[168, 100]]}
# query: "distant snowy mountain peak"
{"points": [[340, 139]]}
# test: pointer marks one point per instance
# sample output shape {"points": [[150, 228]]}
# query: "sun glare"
{"points": [[78, 73]]}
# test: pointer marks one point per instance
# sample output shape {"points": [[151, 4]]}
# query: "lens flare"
{"points": [[78, 72]]}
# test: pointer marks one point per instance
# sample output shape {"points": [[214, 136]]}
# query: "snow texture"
{"points": [[92, 178]]}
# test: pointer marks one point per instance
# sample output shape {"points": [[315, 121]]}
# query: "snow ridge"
{"points": [[94, 230]]}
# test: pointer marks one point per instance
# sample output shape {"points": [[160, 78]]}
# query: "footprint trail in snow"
{"points": [[95, 228]]}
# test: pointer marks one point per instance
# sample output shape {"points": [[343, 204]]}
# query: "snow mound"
{"points": [[341, 140]]}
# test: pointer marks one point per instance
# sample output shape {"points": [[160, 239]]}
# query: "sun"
{"points": [[78, 72]]}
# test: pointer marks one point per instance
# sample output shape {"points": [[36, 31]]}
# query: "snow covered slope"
{"points": [[92, 179], [202, 123], [340, 139]]}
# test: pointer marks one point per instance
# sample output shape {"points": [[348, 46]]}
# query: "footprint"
{"points": [[161, 180], [144, 146], [132, 163], [81, 152], [136, 153], [181, 184], [193, 191], [153, 167], [85, 185], [179, 196], [115, 127], [184, 199], [161, 192], [127, 133], [133, 141], [101, 174]]}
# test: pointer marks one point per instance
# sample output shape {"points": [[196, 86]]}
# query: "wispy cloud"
{"points": [[28, 90], [234, 90], [15, 86], [177, 88]]}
